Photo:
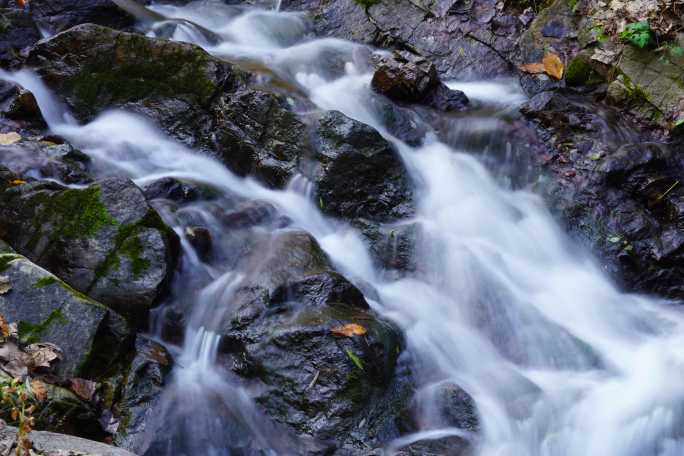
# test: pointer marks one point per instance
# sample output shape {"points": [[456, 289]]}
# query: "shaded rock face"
{"points": [[467, 39], [620, 194], [58, 15], [17, 33], [149, 372], [104, 240], [50, 443], [279, 334], [49, 310], [196, 98], [360, 174], [406, 77]]}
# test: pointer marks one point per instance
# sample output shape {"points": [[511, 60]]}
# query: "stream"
{"points": [[559, 361]]}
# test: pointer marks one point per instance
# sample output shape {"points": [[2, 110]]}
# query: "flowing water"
{"points": [[558, 361]]}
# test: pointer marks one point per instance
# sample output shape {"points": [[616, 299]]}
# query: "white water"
{"points": [[559, 362]]}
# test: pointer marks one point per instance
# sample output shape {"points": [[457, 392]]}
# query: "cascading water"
{"points": [[558, 361]]}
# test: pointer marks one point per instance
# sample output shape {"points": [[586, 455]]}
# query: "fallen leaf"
{"points": [[15, 182], [349, 330], [85, 389], [7, 139], [5, 330], [553, 65], [43, 353], [605, 56], [39, 390], [5, 285], [355, 359], [22, 3], [532, 68]]}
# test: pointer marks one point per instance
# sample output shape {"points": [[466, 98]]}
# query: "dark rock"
{"points": [[103, 240], [198, 99], [67, 413], [445, 446], [17, 33], [49, 310], [360, 174], [45, 159], [137, 408], [200, 238], [392, 246], [17, 103], [616, 191], [175, 190], [320, 384], [410, 78], [58, 15]]}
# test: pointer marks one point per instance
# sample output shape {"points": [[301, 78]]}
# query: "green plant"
{"points": [[637, 33], [19, 400]]}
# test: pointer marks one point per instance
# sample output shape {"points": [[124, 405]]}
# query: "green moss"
{"points": [[32, 332], [81, 211], [126, 244], [139, 67], [581, 72], [45, 281]]}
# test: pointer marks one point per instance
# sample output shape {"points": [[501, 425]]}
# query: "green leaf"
{"points": [[637, 33], [355, 359], [596, 156]]}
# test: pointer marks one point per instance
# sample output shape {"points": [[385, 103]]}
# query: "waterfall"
{"points": [[558, 360]]}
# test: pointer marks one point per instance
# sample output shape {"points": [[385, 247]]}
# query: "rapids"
{"points": [[558, 361]]}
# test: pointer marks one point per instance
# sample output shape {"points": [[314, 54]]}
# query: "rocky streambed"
{"points": [[248, 234]]}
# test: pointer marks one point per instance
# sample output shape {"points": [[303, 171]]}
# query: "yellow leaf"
{"points": [[15, 182], [349, 330], [14, 414], [22, 3], [39, 390], [532, 68], [4, 327], [9, 138], [553, 66]]}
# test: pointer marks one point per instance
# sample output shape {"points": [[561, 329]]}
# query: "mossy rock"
{"points": [[582, 72], [103, 240]]}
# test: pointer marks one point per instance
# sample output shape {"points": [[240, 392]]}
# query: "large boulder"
{"points": [[103, 240], [359, 174], [203, 101], [17, 33], [319, 382], [617, 190], [90, 335]]}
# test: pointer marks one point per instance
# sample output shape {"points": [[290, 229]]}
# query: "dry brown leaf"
{"points": [[5, 329], [85, 389], [7, 139], [349, 330], [39, 390], [43, 353], [553, 65], [15, 182], [532, 68], [5, 285], [22, 3]]}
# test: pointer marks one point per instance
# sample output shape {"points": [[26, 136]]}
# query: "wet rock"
{"points": [[392, 246], [202, 101], [200, 238], [58, 15], [17, 33], [320, 384], [46, 159], [50, 443], [445, 446], [18, 104], [407, 77], [104, 240], [616, 190], [149, 372], [65, 412], [360, 174], [49, 310]]}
